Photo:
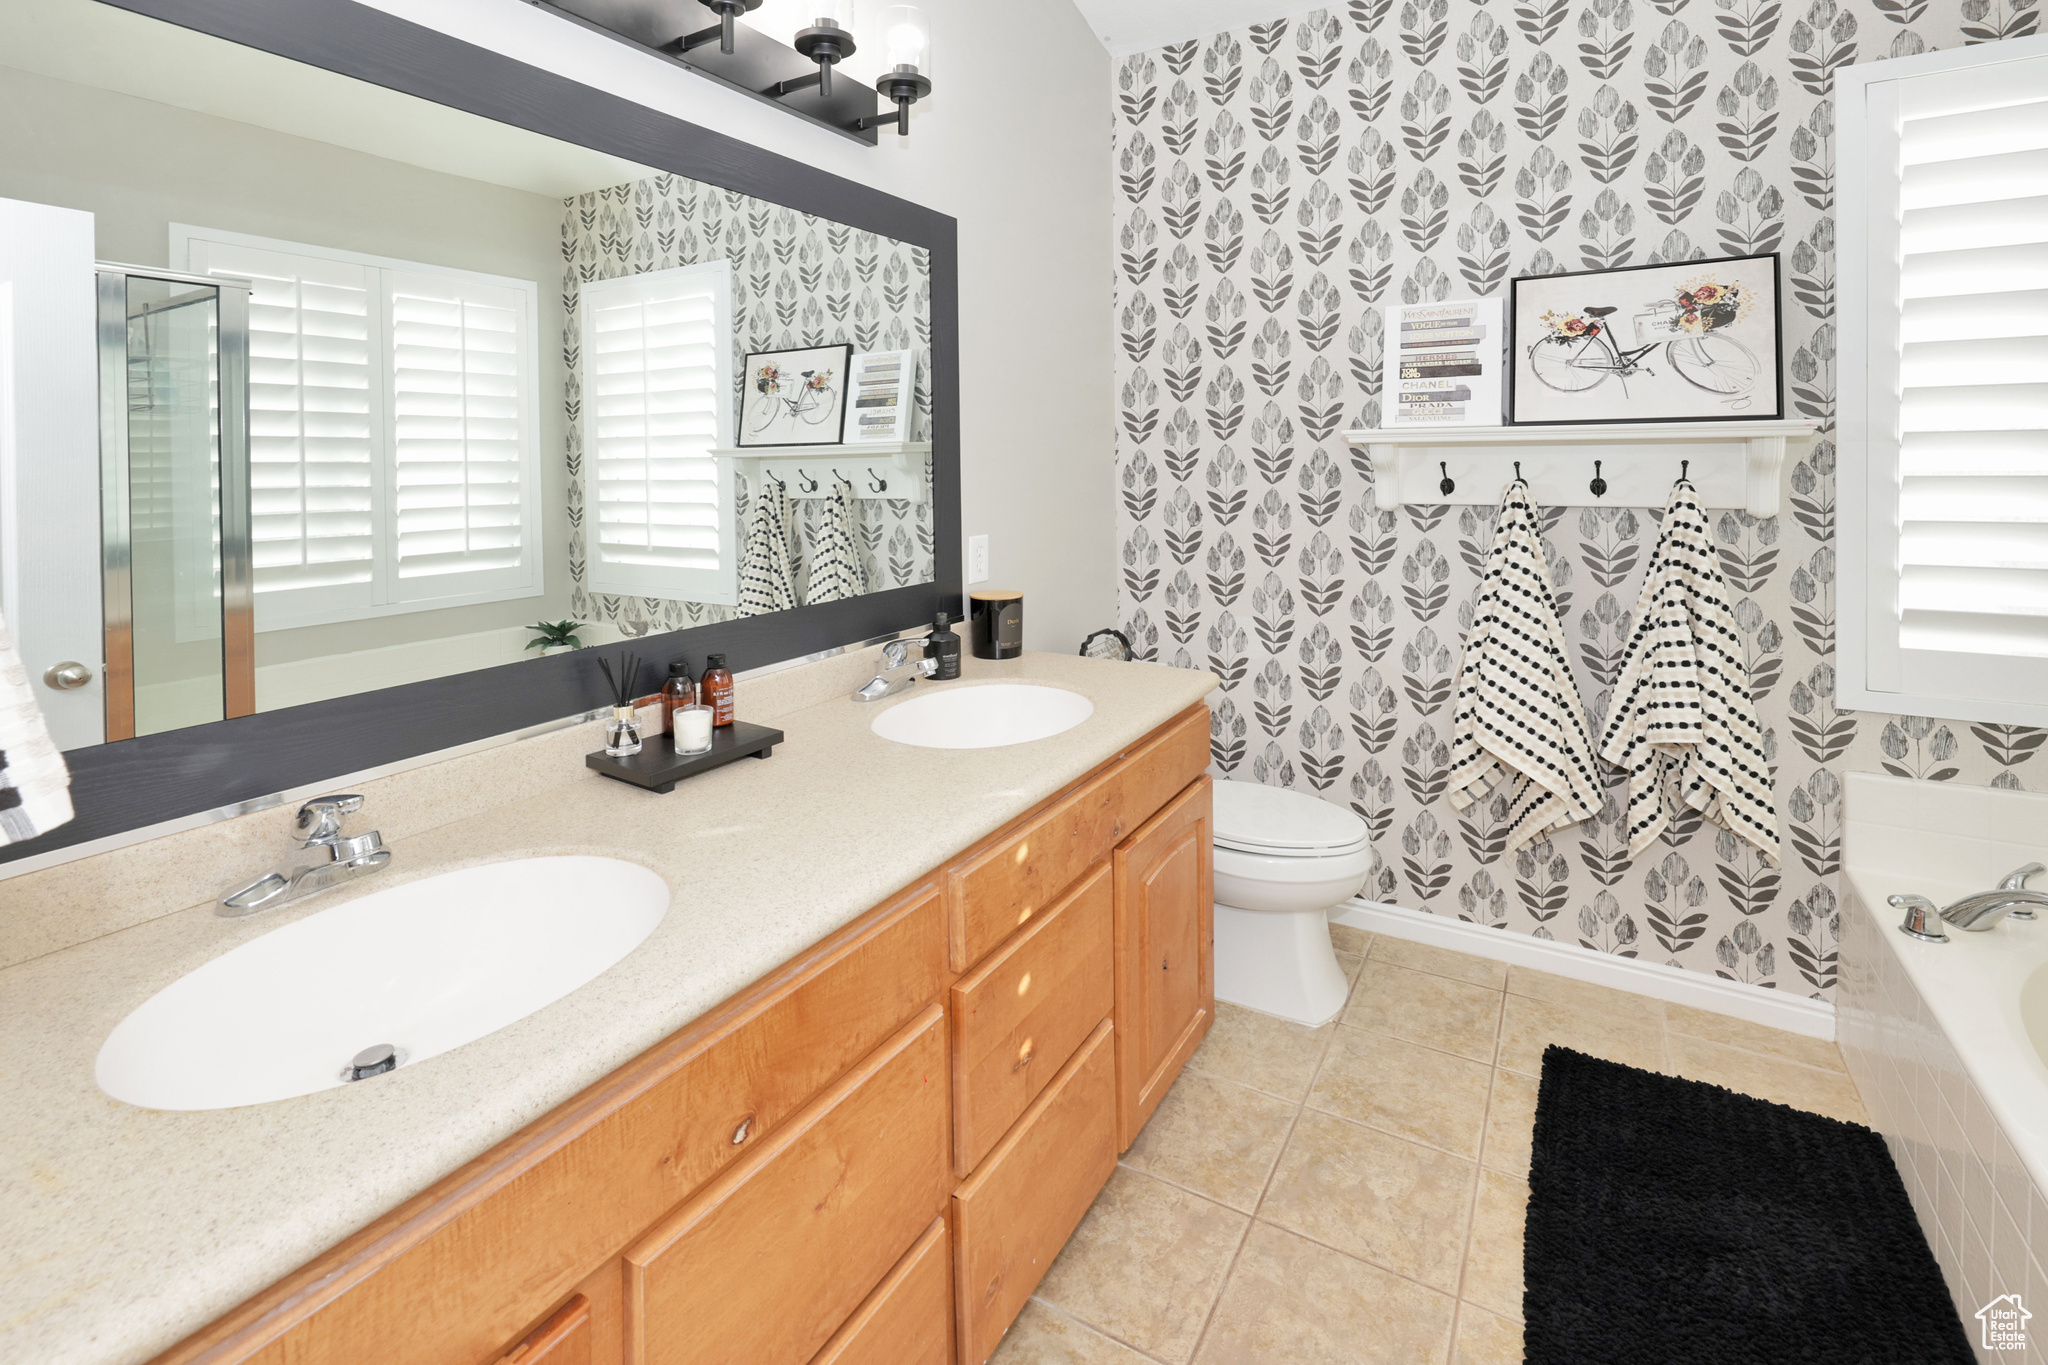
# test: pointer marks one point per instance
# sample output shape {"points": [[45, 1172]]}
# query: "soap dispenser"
{"points": [[944, 646]]}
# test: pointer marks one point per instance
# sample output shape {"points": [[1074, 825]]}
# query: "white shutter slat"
{"points": [[655, 351], [1966, 230]]}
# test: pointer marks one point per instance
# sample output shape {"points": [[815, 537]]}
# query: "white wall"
{"points": [[1013, 143]]}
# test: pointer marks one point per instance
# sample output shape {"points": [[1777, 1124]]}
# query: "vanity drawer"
{"points": [[1022, 1013], [563, 1339], [1024, 869], [1011, 1219], [767, 1261], [908, 1320]]}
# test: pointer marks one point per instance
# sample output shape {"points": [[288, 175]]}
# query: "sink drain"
{"points": [[374, 1060]]}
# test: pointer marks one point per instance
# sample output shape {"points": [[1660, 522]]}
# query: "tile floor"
{"points": [[1353, 1194]]}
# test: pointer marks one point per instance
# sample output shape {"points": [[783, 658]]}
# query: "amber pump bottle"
{"points": [[679, 690], [715, 689]]}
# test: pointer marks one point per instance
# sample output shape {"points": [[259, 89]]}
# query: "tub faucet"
{"points": [[1976, 913], [321, 856], [895, 655]]}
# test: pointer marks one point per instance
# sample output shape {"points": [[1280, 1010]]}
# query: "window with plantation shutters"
{"points": [[392, 444], [656, 377], [1944, 383]]}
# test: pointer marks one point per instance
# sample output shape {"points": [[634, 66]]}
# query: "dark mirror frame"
{"points": [[134, 783]]}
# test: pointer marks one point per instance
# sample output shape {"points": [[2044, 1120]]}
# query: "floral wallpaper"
{"points": [[798, 280], [1277, 186]]}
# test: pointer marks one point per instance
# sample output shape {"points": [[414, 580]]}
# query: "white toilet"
{"points": [[1283, 860]]}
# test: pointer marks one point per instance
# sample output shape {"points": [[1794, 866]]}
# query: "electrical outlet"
{"points": [[977, 559]]}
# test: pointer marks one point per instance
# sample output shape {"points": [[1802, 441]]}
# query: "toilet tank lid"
{"points": [[1251, 817]]}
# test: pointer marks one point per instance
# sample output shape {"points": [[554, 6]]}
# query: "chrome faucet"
{"points": [[322, 856], [896, 655], [1976, 913]]}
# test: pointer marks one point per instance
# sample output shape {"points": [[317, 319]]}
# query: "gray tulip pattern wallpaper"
{"points": [[798, 280], [1277, 187]]}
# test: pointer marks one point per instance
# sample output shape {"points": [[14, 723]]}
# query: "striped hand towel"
{"points": [[35, 786], [764, 558], [1683, 726], [1518, 711], [835, 563]]}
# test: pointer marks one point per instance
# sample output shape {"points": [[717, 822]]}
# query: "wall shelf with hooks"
{"points": [[1733, 464], [880, 469]]}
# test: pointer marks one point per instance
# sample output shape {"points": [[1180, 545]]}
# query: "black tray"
{"points": [[658, 767]]}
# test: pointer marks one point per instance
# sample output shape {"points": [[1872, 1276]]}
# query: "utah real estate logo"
{"points": [[2005, 1323]]}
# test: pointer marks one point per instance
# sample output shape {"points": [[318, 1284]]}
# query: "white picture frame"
{"points": [[1442, 364], [882, 393]]}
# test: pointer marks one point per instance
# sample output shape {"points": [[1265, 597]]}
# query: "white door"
{"points": [[50, 458]]}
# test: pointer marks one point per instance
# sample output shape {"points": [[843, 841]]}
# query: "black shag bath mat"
{"points": [[1672, 1222]]}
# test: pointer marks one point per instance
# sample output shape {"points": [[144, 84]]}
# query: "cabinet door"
{"points": [[1024, 1202], [1020, 1015], [563, 1339], [764, 1264], [1166, 963], [908, 1320]]}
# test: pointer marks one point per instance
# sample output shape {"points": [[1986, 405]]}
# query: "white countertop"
{"points": [[127, 1229]]}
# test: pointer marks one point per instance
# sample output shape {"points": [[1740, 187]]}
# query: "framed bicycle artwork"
{"points": [[1691, 341], [795, 398]]}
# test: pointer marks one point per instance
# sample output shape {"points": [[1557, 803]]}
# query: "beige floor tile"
{"points": [[1290, 1300], [1215, 1137], [1493, 1267], [1579, 995], [1045, 1336], [1351, 964], [1486, 1338], [1369, 1194], [1146, 1264], [1405, 1089], [1803, 1087], [1455, 1016], [1510, 1123], [1722, 1028], [1422, 957], [1529, 1025], [1349, 940], [1261, 1051]]}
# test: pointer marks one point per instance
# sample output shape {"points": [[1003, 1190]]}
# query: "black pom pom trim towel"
{"points": [[1672, 1222], [1682, 724]]}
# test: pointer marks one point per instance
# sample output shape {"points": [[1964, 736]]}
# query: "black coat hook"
{"points": [[877, 485], [1446, 485], [810, 485], [1683, 466], [1599, 485], [1518, 471]]}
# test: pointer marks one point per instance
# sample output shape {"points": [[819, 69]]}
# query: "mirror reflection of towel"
{"points": [[764, 559], [35, 786], [835, 562]]}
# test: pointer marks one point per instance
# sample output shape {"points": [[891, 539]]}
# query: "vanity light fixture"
{"points": [[828, 40], [908, 41], [727, 11]]}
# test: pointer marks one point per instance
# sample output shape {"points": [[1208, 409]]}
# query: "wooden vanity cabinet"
{"points": [[869, 1156]]}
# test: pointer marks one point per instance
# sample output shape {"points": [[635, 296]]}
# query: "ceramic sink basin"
{"points": [[986, 717], [424, 967]]}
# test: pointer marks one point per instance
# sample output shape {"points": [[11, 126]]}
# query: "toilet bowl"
{"points": [[1283, 860]]}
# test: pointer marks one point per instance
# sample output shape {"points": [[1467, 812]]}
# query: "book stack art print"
{"points": [[882, 396], [1443, 364]]}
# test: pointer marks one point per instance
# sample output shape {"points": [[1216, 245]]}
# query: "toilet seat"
{"points": [[1274, 823]]}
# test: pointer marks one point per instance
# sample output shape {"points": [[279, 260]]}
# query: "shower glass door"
{"points": [[174, 501]]}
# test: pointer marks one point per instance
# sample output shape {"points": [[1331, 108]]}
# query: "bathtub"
{"points": [[1948, 1042]]}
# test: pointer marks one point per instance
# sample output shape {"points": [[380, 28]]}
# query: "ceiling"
{"points": [[1134, 25]]}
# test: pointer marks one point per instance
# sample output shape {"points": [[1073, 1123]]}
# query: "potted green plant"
{"points": [[558, 637]]}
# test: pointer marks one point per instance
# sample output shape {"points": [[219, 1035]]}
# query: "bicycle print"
{"points": [[794, 397]]}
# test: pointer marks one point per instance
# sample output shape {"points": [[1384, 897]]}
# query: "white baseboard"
{"points": [[1675, 985]]}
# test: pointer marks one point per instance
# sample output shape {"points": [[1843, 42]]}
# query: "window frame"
{"points": [[294, 608], [2005, 690], [719, 586]]}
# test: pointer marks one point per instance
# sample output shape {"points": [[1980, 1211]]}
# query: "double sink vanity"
{"points": [[843, 1099]]}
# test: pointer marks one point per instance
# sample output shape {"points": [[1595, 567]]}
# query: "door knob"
{"points": [[66, 676]]}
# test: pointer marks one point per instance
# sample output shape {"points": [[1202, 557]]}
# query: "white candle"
{"points": [[693, 729]]}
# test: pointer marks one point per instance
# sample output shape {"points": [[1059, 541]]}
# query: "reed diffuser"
{"points": [[622, 730]]}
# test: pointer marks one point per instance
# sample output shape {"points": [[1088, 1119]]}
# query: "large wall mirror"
{"points": [[378, 386]]}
